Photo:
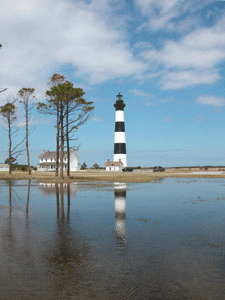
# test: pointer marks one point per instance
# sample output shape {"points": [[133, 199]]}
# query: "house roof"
{"points": [[113, 163], [52, 154]]}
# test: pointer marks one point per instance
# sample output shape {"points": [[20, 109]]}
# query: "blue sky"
{"points": [[167, 58]]}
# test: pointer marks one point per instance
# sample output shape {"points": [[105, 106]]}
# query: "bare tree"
{"points": [[8, 112], [71, 110], [25, 95], [52, 108], [77, 113]]}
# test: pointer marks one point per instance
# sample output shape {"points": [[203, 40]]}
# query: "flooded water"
{"points": [[157, 240]]}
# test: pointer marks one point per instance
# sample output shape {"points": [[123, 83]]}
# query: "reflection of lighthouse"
{"points": [[120, 141], [120, 209]]}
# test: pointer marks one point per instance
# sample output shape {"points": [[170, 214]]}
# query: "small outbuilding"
{"points": [[4, 168], [114, 166]]}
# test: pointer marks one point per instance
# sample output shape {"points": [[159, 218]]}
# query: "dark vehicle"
{"points": [[127, 169], [158, 169]]}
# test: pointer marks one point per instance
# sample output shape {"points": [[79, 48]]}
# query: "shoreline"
{"points": [[87, 176]]}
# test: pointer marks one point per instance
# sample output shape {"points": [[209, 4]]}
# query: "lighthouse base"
{"points": [[122, 158]]}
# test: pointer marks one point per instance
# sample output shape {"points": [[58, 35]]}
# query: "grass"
{"points": [[90, 175]]}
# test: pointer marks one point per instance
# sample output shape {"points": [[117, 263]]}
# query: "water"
{"points": [[157, 240]]}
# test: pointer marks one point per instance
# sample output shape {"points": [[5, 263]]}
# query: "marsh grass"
{"points": [[88, 176]]}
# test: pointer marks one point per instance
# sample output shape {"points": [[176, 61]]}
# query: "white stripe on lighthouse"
{"points": [[119, 137], [119, 116]]}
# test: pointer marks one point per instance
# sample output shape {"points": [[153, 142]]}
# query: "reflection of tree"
{"points": [[68, 201], [10, 197], [60, 190], [57, 199], [62, 201], [67, 254], [28, 198]]}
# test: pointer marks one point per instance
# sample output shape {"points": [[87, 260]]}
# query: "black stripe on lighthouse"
{"points": [[119, 127], [119, 148]]}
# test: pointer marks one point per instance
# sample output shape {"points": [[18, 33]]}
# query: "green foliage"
{"points": [[13, 160], [8, 110], [96, 166], [83, 166], [25, 93], [23, 168]]}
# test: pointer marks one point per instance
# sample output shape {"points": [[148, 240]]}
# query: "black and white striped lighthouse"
{"points": [[119, 140]]}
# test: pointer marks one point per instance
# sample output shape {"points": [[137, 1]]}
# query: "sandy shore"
{"points": [[92, 175]]}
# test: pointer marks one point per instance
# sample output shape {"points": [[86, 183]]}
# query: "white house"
{"points": [[47, 161], [4, 168], [114, 165]]}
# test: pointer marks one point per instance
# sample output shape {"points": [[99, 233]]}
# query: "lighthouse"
{"points": [[119, 138]]}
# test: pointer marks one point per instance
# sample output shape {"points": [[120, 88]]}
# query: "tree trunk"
{"points": [[68, 141], [10, 144], [57, 142], [27, 134], [62, 141]]}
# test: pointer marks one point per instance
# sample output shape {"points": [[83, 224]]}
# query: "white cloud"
{"points": [[149, 103], [211, 100], [191, 60], [140, 93], [144, 95], [40, 36], [168, 119], [163, 14], [197, 119], [182, 79], [96, 119]]}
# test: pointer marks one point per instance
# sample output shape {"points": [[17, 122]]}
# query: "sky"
{"points": [[167, 59]]}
